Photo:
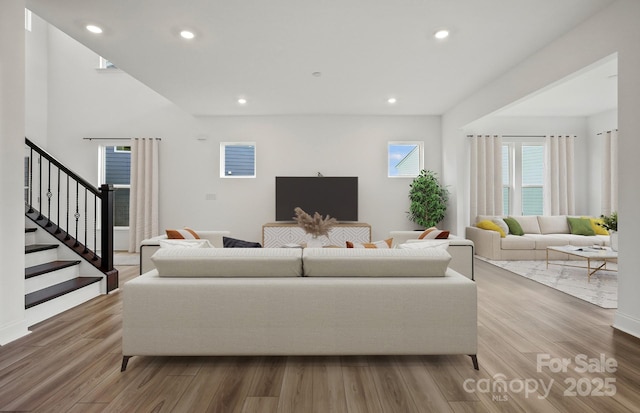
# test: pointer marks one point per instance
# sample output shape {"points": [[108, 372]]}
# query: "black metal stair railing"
{"points": [[75, 211]]}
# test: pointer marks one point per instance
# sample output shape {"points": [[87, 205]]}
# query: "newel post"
{"points": [[106, 223]]}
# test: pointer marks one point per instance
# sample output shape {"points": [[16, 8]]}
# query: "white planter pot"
{"points": [[613, 240]]}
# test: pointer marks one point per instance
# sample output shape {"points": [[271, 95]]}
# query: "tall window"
{"points": [[523, 177], [115, 162], [237, 160]]}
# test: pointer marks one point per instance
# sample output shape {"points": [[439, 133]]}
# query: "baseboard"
{"points": [[627, 324], [13, 332]]}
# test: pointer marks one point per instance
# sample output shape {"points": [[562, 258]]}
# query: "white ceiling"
{"points": [[266, 51]]}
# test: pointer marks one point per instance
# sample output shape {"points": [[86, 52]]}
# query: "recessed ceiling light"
{"points": [[186, 34], [94, 29], [441, 34], [242, 101], [316, 74], [392, 100]]}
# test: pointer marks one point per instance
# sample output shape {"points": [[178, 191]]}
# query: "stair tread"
{"points": [[48, 267], [58, 290], [39, 247], [30, 229]]}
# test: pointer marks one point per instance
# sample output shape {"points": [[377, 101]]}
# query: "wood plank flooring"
{"points": [[71, 363]]}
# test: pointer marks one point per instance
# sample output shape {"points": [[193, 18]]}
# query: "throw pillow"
{"points": [[377, 244], [434, 233], [185, 243], [486, 224], [503, 225], [514, 226], [238, 243], [186, 233], [580, 226], [597, 228]]}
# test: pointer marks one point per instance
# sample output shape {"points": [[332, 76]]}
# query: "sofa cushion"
{"points": [[516, 242], [529, 224], [185, 243], [580, 226], [228, 262], [514, 226], [345, 262], [556, 224]]}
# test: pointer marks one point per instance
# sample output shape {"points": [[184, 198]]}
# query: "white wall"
{"points": [[541, 126], [613, 30], [12, 129], [85, 102]]}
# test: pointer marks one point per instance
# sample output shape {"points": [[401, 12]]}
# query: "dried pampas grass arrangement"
{"points": [[316, 224]]}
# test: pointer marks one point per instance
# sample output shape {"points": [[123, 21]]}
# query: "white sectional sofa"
{"points": [[313, 301], [540, 232]]}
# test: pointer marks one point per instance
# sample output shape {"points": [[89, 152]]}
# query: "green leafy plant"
{"points": [[428, 199], [609, 222]]}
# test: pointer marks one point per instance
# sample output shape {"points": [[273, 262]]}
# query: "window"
{"points": [[105, 64], [115, 162], [238, 160], [405, 159], [522, 177]]}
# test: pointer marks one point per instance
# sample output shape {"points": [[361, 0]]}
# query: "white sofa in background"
{"points": [[312, 301], [149, 246], [460, 249], [540, 232]]}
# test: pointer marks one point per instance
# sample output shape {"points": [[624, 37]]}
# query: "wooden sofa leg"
{"points": [[125, 360], [474, 360]]}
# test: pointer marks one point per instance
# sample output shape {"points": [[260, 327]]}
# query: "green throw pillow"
{"points": [[514, 226], [580, 226]]}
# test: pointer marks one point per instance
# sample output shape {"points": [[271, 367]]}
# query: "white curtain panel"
{"points": [[559, 197], [610, 172], [143, 205], [486, 176]]}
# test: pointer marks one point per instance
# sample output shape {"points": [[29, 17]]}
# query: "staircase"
{"points": [[53, 283], [68, 222]]}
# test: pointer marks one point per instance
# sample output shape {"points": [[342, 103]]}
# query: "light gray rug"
{"points": [[602, 290]]}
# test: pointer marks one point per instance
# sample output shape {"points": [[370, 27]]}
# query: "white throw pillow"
{"points": [[416, 244], [185, 243]]}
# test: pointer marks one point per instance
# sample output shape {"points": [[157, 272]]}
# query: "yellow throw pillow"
{"points": [[597, 228], [486, 224]]}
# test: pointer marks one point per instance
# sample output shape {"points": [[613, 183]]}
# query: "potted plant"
{"points": [[428, 199], [610, 223]]}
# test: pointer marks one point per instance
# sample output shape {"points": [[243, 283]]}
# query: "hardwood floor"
{"points": [[71, 363]]}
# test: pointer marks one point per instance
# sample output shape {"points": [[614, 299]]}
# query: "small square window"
{"points": [[238, 160], [405, 159]]}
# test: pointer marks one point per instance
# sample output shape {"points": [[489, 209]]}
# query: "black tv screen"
{"points": [[328, 195]]}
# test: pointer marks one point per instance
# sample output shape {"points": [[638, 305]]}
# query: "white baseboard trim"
{"points": [[13, 332], [627, 324]]}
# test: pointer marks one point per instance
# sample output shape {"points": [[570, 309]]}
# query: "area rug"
{"points": [[602, 290]]}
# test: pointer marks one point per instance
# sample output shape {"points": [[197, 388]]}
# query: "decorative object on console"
{"points": [[186, 233], [316, 225], [386, 244], [428, 199]]}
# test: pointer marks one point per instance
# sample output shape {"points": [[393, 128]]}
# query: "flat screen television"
{"points": [[336, 196]]}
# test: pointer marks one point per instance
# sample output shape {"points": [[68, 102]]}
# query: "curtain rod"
{"points": [[609, 131], [521, 136]]}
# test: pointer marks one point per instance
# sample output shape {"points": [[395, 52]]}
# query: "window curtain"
{"points": [[558, 175], [610, 172], [143, 203], [486, 176]]}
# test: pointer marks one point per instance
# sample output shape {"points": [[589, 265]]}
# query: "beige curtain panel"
{"points": [[609, 172], [486, 176], [143, 205], [559, 197]]}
